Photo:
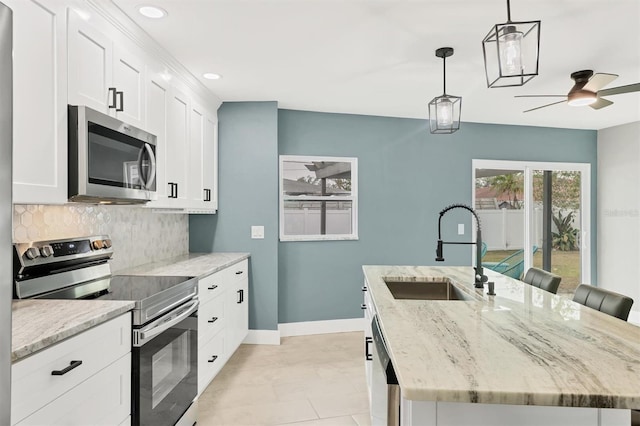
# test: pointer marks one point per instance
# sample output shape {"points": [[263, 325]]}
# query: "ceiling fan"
{"points": [[587, 90]]}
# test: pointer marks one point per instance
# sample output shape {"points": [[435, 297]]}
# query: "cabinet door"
{"points": [[237, 311], [210, 161], [128, 78], [178, 146], [39, 93], [157, 100], [102, 399], [196, 145], [90, 65]]}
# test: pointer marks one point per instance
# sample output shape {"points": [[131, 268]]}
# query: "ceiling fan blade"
{"points": [[620, 89], [544, 106], [598, 81], [600, 103], [540, 96]]}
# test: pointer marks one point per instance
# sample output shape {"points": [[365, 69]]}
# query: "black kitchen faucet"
{"points": [[480, 278]]}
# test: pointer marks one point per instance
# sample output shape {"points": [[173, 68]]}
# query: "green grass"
{"points": [[563, 263]]}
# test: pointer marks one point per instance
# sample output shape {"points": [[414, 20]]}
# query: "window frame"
{"points": [[353, 198]]}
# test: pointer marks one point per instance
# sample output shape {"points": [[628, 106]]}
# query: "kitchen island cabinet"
{"points": [[524, 356]]}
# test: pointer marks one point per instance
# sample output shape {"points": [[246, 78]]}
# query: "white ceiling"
{"points": [[376, 57]]}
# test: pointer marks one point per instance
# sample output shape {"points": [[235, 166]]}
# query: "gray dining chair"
{"points": [[609, 302], [542, 279]]}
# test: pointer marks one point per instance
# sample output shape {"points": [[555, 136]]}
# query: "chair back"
{"points": [[609, 302], [542, 279]]}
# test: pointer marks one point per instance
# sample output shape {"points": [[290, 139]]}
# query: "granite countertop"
{"points": [[192, 264], [39, 323], [523, 346]]}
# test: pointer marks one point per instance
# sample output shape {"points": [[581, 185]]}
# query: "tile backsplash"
{"points": [[139, 235]]}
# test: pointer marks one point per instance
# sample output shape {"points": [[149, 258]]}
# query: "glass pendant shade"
{"points": [[444, 114], [511, 52], [444, 111]]}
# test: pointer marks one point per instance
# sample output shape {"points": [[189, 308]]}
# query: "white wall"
{"points": [[619, 212]]}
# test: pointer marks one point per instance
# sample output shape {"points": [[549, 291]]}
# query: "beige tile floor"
{"points": [[307, 380]]}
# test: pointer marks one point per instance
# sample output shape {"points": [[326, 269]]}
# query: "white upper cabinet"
{"points": [[129, 81], [103, 75], [177, 149], [39, 102], [196, 153], [90, 66], [210, 161]]}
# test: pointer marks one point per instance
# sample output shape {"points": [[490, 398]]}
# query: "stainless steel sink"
{"points": [[426, 290]]}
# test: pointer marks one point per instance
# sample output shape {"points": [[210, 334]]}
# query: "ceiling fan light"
{"points": [[582, 98]]}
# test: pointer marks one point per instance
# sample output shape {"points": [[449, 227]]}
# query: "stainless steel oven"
{"points": [[164, 370], [109, 161]]}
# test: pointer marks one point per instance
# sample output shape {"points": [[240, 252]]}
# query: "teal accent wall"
{"points": [[248, 195], [406, 176]]}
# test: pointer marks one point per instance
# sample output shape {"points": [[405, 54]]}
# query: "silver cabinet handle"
{"points": [[121, 96]]}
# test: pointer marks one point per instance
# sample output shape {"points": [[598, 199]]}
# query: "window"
{"points": [[318, 198]]}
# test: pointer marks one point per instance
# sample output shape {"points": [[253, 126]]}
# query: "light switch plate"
{"points": [[461, 229], [257, 232]]}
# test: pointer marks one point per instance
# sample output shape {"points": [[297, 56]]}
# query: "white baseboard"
{"points": [[634, 317], [262, 337], [320, 327]]}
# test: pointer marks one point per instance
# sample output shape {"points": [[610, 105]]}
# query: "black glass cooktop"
{"points": [[137, 288]]}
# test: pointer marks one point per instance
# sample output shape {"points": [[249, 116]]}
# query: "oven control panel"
{"points": [[40, 253]]}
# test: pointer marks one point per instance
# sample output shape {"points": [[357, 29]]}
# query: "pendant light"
{"points": [[444, 111], [511, 52]]}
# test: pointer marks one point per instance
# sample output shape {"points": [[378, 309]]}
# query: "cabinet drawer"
{"points": [[210, 286], [103, 399], [210, 360], [32, 381], [211, 319]]}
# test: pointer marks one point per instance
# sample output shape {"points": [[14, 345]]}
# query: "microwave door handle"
{"points": [[141, 176], [152, 330], [152, 160]]}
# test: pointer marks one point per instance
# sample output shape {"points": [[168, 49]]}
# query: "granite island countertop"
{"points": [[523, 346], [192, 264], [39, 323]]}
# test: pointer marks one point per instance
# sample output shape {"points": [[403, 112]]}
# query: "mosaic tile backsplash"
{"points": [[139, 235]]}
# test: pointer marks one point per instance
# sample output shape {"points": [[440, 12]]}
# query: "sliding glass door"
{"points": [[535, 214]]}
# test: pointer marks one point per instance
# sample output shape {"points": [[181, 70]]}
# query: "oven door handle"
{"points": [[142, 336]]}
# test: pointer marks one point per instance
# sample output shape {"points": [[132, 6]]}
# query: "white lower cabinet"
{"points": [[85, 379], [367, 307], [223, 319]]}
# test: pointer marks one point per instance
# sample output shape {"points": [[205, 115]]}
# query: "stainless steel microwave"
{"points": [[109, 161]]}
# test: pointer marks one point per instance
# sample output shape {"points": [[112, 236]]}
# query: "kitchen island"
{"points": [[523, 356]]}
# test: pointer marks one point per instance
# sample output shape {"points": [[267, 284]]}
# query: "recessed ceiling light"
{"points": [[152, 12], [212, 76]]}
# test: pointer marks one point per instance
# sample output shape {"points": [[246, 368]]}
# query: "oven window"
{"points": [[165, 375], [170, 366], [113, 158]]}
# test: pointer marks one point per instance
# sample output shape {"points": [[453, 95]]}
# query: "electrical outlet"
{"points": [[257, 232], [461, 229]]}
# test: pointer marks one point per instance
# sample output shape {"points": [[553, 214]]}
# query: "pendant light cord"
{"points": [[444, 75], [508, 11]]}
